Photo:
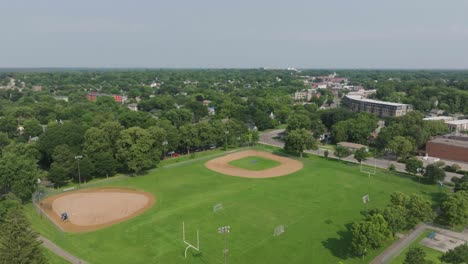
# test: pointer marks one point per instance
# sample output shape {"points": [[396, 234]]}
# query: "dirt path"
{"points": [[60, 252], [222, 165]]}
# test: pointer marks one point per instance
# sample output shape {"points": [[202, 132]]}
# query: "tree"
{"points": [[455, 209], [18, 174], [4, 141], [458, 255], [58, 174], [415, 255], [413, 166], [401, 146], [135, 149], [86, 169], [68, 133], [18, 243], [434, 174], [370, 233], [361, 154], [325, 153], [298, 121], [299, 140], [341, 152], [32, 128], [461, 186], [189, 136], [419, 210], [396, 218], [104, 164]]}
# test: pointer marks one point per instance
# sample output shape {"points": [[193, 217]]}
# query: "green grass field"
{"points": [[254, 163], [53, 258], [316, 205], [431, 254]]}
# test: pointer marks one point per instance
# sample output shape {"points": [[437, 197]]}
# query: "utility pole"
{"points": [[164, 144], [77, 158], [226, 133], [224, 230]]}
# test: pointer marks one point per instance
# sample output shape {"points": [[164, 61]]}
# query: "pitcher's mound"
{"points": [[92, 209], [222, 165]]}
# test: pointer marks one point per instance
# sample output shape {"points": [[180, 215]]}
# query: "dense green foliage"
{"points": [[458, 255], [18, 242], [415, 255]]}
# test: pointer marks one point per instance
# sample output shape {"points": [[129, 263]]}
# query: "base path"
{"points": [[222, 165], [92, 209]]}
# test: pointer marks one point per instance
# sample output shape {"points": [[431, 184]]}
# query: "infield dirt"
{"points": [[222, 165], [93, 209]]}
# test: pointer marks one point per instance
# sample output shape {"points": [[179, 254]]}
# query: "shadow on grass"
{"points": [[340, 247]]}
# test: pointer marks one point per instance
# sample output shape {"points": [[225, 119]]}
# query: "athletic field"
{"points": [[315, 205]]}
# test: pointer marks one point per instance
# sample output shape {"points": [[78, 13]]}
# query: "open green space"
{"points": [[431, 254], [255, 163], [316, 205], [52, 258]]}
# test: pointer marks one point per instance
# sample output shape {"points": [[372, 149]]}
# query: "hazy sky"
{"points": [[235, 33]]}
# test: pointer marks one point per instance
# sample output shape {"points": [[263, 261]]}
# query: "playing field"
{"points": [[315, 204], [254, 163]]}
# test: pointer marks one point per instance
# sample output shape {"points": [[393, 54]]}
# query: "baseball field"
{"points": [[315, 204]]}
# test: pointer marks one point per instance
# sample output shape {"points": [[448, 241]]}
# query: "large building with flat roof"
{"points": [[380, 108], [450, 147]]}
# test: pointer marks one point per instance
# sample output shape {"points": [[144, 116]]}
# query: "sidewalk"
{"points": [[396, 248], [60, 252]]}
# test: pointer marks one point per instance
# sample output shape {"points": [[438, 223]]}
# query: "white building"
{"points": [[458, 125], [133, 107], [446, 119]]}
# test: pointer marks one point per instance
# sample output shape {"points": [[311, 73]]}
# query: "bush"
{"points": [[452, 168], [392, 167], [439, 163], [449, 169], [325, 153]]}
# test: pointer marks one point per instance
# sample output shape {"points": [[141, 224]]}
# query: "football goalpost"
{"points": [[197, 248], [369, 171]]}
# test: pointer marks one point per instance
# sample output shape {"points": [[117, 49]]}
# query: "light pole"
{"points": [[420, 171], [226, 133], [224, 230], [77, 158], [164, 144]]}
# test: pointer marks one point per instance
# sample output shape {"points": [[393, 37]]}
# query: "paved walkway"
{"points": [[394, 250], [60, 252], [267, 138], [397, 247]]}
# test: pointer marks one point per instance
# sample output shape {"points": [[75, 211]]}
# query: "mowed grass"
{"points": [[316, 205], [255, 163], [53, 258], [431, 254]]}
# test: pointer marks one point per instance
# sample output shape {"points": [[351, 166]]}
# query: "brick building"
{"points": [[92, 97], [450, 147]]}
